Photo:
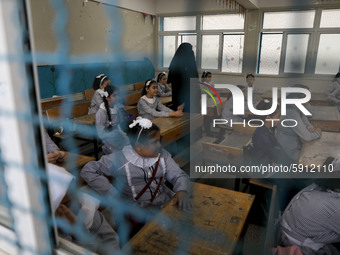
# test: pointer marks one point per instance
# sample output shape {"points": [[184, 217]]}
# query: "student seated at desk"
{"points": [[163, 88], [227, 110], [150, 107], [206, 77], [99, 83], [312, 219], [79, 221], [108, 119], [54, 154], [291, 138], [250, 79], [333, 91], [140, 171], [266, 149]]}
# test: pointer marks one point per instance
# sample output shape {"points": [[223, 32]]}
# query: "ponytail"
{"points": [[110, 90]]}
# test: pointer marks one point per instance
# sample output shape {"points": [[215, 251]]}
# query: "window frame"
{"points": [[22, 142], [312, 48], [199, 33]]}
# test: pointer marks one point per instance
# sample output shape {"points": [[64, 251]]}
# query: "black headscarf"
{"points": [[181, 69]]}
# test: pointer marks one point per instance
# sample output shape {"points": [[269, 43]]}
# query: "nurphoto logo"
{"points": [[239, 102]]}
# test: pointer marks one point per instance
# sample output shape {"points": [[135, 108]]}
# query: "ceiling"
{"points": [[156, 7]]}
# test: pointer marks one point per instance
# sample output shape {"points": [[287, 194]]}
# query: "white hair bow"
{"points": [[143, 123]]}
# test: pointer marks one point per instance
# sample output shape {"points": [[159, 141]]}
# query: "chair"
{"points": [[139, 85], [89, 94], [132, 98], [76, 111]]}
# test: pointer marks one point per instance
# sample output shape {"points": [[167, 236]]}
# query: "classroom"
{"points": [[170, 127]]}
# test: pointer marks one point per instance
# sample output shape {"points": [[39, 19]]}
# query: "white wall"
{"points": [[89, 29], [146, 6], [187, 6]]}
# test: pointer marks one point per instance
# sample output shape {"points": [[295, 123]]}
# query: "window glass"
{"points": [[222, 22], [210, 45], [183, 23], [270, 53], [168, 47], [232, 56], [296, 53], [330, 18], [328, 58], [288, 19]]}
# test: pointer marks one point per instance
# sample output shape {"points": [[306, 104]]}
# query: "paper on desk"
{"points": [[58, 181]]}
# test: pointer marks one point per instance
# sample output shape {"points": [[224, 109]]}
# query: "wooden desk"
{"points": [[319, 99], [165, 100], [132, 109], [81, 160], [317, 151], [212, 227], [88, 119], [228, 151], [171, 128], [74, 163], [326, 117], [174, 128], [316, 98]]}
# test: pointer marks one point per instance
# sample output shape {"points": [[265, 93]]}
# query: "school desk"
{"points": [[317, 99], [165, 100], [90, 119], [74, 163], [326, 117], [228, 151], [174, 128], [87, 119], [317, 151], [80, 160], [213, 226]]}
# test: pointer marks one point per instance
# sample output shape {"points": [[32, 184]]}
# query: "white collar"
{"points": [[113, 109], [149, 100], [101, 91], [135, 159]]}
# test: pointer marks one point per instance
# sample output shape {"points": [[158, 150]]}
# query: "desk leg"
{"points": [[238, 250], [95, 147]]}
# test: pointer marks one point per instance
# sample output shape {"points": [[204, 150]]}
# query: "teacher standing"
{"points": [[181, 69]]}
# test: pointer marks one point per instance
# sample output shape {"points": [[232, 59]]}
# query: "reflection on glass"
{"points": [[179, 23], [232, 58], [270, 53], [210, 45], [288, 19], [223, 22], [168, 49], [296, 52], [330, 18], [328, 58]]}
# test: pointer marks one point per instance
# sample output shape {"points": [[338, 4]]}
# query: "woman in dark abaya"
{"points": [[181, 69]]}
